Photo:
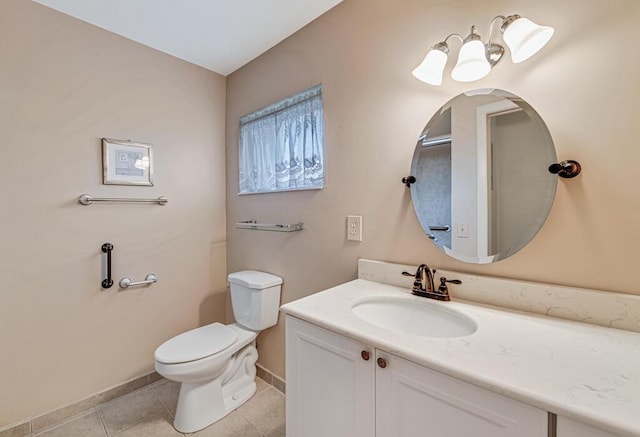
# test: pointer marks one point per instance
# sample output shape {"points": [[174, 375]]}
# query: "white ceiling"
{"points": [[219, 35]]}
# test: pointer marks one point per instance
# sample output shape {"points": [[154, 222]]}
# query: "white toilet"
{"points": [[215, 364]]}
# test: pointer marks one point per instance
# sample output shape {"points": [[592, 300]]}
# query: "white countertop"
{"points": [[584, 372]]}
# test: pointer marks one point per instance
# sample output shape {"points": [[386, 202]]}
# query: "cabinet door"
{"points": [[569, 428], [412, 401], [330, 386]]}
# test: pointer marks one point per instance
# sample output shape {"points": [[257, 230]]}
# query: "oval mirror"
{"points": [[483, 188]]}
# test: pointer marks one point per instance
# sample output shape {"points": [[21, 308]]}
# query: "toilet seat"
{"points": [[196, 344]]}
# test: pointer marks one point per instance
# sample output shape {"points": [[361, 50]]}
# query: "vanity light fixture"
{"points": [[476, 59]]}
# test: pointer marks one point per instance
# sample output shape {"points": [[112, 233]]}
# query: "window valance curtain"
{"points": [[281, 145]]}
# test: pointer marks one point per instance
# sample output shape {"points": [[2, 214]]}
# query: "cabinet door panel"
{"points": [[330, 387], [570, 428], [414, 401]]}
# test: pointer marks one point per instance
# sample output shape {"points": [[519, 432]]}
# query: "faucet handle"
{"points": [[443, 284], [417, 282]]}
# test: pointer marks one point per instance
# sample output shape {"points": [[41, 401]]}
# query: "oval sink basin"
{"points": [[411, 317]]}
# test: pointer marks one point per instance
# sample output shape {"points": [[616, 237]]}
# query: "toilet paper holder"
{"points": [[148, 280]]}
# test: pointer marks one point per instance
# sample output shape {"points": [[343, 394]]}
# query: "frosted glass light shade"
{"points": [[432, 67], [525, 38], [472, 62]]}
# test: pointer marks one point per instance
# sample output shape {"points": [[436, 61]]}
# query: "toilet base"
{"points": [[201, 404]]}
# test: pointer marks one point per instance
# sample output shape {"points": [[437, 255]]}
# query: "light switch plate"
{"points": [[354, 227]]}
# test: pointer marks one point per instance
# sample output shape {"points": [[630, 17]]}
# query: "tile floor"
{"points": [[149, 412]]}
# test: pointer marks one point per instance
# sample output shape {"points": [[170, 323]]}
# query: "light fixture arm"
{"points": [[497, 17], [451, 35], [495, 52], [473, 35], [506, 21], [443, 46]]}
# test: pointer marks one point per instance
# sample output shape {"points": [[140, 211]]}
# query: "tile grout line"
{"points": [[63, 422], [271, 387], [104, 426], [130, 394], [272, 429], [243, 416], [249, 422], [138, 423], [166, 409], [237, 410]]}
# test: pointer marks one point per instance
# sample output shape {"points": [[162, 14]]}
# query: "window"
{"points": [[281, 145]]}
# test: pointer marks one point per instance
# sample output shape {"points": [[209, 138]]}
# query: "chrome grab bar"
{"points": [[148, 280], [88, 199]]}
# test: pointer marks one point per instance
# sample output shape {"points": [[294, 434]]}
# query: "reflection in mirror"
{"points": [[482, 187]]}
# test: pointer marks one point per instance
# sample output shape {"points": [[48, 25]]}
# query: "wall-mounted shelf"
{"points": [[255, 226]]}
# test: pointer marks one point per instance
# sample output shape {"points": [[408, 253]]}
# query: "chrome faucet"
{"points": [[423, 284]]}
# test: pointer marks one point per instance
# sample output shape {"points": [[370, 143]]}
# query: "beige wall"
{"points": [[64, 84], [584, 85]]}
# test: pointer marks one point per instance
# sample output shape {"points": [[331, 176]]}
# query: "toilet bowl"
{"points": [[215, 364]]}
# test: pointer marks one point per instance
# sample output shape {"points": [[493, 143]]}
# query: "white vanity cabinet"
{"points": [[330, 384], [570, 428], [339, 387]]}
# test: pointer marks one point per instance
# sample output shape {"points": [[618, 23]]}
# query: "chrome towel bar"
{"points": [[88, 199]]}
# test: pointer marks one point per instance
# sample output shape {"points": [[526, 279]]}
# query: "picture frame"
{"points": [[126, 162]]}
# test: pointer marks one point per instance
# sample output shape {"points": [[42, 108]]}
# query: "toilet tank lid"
{"points": [[254, 279]]}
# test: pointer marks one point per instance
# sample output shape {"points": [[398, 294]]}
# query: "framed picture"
{"points": [[126, 163]]}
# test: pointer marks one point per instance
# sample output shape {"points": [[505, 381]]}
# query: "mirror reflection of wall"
{"points": [[482, 187], [435, 172], [436, 191], [514, 181]]}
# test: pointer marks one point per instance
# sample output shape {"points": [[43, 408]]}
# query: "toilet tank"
{"points": [[255, 297]]}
